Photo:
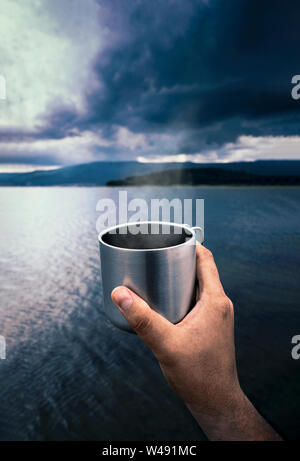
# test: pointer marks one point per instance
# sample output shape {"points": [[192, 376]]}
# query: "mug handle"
{"points": [[198, 228]]}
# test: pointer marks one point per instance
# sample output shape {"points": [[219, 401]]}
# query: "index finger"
{"points": [[207, 272]]}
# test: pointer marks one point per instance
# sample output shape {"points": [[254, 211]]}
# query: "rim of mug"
{"points": [[184, 226]]}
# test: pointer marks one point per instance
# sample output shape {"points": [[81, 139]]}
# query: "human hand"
{"points": [[197, 356]]}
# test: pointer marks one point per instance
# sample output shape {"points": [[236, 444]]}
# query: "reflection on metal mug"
{"points": [[157, 260]]}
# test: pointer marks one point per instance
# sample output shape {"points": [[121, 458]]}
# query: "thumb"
{"points": [[153, 329]]}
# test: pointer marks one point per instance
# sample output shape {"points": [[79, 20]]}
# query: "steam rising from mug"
{"points": [[157, 260]]}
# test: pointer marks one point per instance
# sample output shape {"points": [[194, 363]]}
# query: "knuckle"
{"points": [[209, 254], [141, 324], [225, 306]]}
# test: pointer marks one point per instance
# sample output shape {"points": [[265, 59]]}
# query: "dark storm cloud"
{"points": [[202, 71], [179, 65], [56, 127]]}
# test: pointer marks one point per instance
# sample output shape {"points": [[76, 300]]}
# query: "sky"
{"points": [[159, 80]]}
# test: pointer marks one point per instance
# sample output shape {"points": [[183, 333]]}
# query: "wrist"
{"points": [[237, 420], [222, 408], [226, 420]]}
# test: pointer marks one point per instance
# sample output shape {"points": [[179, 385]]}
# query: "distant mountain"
{"points": [[100, 173], [88, 174], [205, 176]]}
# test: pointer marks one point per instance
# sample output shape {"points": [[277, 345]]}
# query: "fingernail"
{"points": [[122, 298]]}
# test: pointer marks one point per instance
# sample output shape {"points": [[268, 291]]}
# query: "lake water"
{"points": [[70, 375]]}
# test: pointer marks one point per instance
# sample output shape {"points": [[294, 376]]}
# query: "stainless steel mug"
{"points": [[157, 260]]}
